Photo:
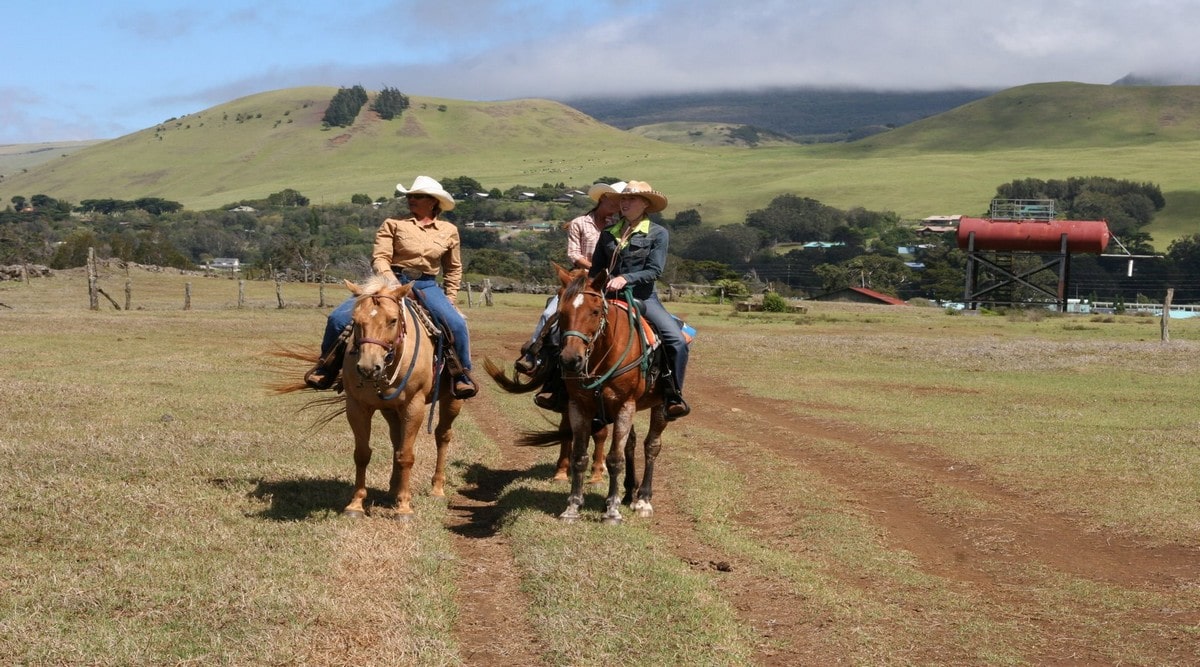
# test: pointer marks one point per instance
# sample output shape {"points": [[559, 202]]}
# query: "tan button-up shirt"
{"points": [[406, 244]]}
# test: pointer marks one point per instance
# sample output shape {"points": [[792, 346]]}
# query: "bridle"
{"points": [[390, 347], [589, 342]]}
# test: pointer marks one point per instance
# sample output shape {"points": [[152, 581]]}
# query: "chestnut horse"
{"points": [[389, 368], [610, 373]]}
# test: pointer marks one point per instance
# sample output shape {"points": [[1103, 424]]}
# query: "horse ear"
{"points": [[398, 291], [600, 281], [353, 287], [563, 274]]}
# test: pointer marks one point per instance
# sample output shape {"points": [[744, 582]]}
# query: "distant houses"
{"points": [[231, 264]]}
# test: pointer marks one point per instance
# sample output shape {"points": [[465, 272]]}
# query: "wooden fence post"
{"points": [[93, 295], [321, 293], [128, 293], [469, 302], [487, 292], [279, 291], [1166, 315], [241, 293], [187, 296]]}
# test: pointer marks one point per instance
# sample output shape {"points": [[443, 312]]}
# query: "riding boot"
{"points": [[674, 406], [553, 395], [527, 363], [328, 368]]}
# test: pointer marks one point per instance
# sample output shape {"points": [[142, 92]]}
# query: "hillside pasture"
{"points": [[949, 164], [856, 485]]}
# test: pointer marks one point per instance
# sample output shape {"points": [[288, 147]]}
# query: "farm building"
{"points": [[859, 295]]}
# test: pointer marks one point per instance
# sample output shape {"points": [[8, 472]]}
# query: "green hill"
{"points": [[1055, 115], [952, 163]]}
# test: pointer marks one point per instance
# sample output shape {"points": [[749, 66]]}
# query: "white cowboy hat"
{"points": [[657, 200], [597, 191], [425, 185]]}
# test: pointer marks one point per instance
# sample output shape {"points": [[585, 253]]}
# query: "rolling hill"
{"points": [[950, 163]]}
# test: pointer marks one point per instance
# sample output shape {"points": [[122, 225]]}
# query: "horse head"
{"points": [[379, 327], [582, 313]]}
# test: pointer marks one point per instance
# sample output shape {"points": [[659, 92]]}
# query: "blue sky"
{"points": [[87, 69]]}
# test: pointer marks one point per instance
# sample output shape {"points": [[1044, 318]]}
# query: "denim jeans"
{"points": [[434, 299]]}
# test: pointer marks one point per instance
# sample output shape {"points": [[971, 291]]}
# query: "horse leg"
{"points": [[631, 479], [653, 444], [359, 417], [622, 427], [564, 449], [579, 461], [448, 409], [402, 428], [599, 437]]}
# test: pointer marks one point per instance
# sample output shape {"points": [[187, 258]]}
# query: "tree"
{"points": [[686, 218], [287, 197], [362, 200], [389, 103], [344, 106], [792, 218]]}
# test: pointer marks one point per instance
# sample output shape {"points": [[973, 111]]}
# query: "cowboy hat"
{"points": [[425, 185], [657, 200], [597, 191]]}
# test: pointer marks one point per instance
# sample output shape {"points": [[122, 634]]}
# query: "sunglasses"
{"points": [[411, 197]]}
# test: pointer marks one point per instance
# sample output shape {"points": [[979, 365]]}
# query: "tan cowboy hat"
{"points": [[658, 201], [425, 185], [597, 191]]}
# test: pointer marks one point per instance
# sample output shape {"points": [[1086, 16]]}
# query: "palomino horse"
{"points": [[609, 373], [389, 368]]}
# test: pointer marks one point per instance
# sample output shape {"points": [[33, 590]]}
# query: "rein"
{"points": [[589, 341], [391, 347]]}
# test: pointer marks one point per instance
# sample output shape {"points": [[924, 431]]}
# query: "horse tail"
{"points": [[513, 385], [287, 381], [543, 438]]}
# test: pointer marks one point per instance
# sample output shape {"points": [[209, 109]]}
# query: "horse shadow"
{"points": [[493, 499], [305, 498]]}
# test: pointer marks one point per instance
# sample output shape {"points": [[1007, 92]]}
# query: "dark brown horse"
{"points": [[610, 374], [561, 436], [389, 368]]}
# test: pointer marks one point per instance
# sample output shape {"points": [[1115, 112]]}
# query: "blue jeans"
{"points": [[672, 337], [550, 310], [434, 299]]}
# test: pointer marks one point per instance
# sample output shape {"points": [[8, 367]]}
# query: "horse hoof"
{"points": [[403, 518], [561, 477], [645, 512], [353, 514], [612, 520], [568, 517]]}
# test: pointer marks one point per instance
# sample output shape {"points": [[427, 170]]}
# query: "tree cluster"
{"points": [[344, 106], [390, 103], [285, 233]]}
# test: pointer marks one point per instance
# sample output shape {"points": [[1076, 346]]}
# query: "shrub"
{"points": [[773, 303]]}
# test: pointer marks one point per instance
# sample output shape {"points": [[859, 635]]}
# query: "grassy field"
{"points": [[162, 507]]}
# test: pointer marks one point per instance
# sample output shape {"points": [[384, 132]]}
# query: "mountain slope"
{"points": [[802, 113], [952, 163], [1055, 115], [263, 143]]}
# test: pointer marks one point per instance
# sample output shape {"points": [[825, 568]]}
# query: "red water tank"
{"points": [[1083, 236]]}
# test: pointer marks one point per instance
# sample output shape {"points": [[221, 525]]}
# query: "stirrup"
{"points": [[675, 408], [463, 387], [320, 378]]}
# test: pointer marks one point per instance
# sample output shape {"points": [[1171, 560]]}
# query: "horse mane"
{"points": [[579, 281], [375, 284]]}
